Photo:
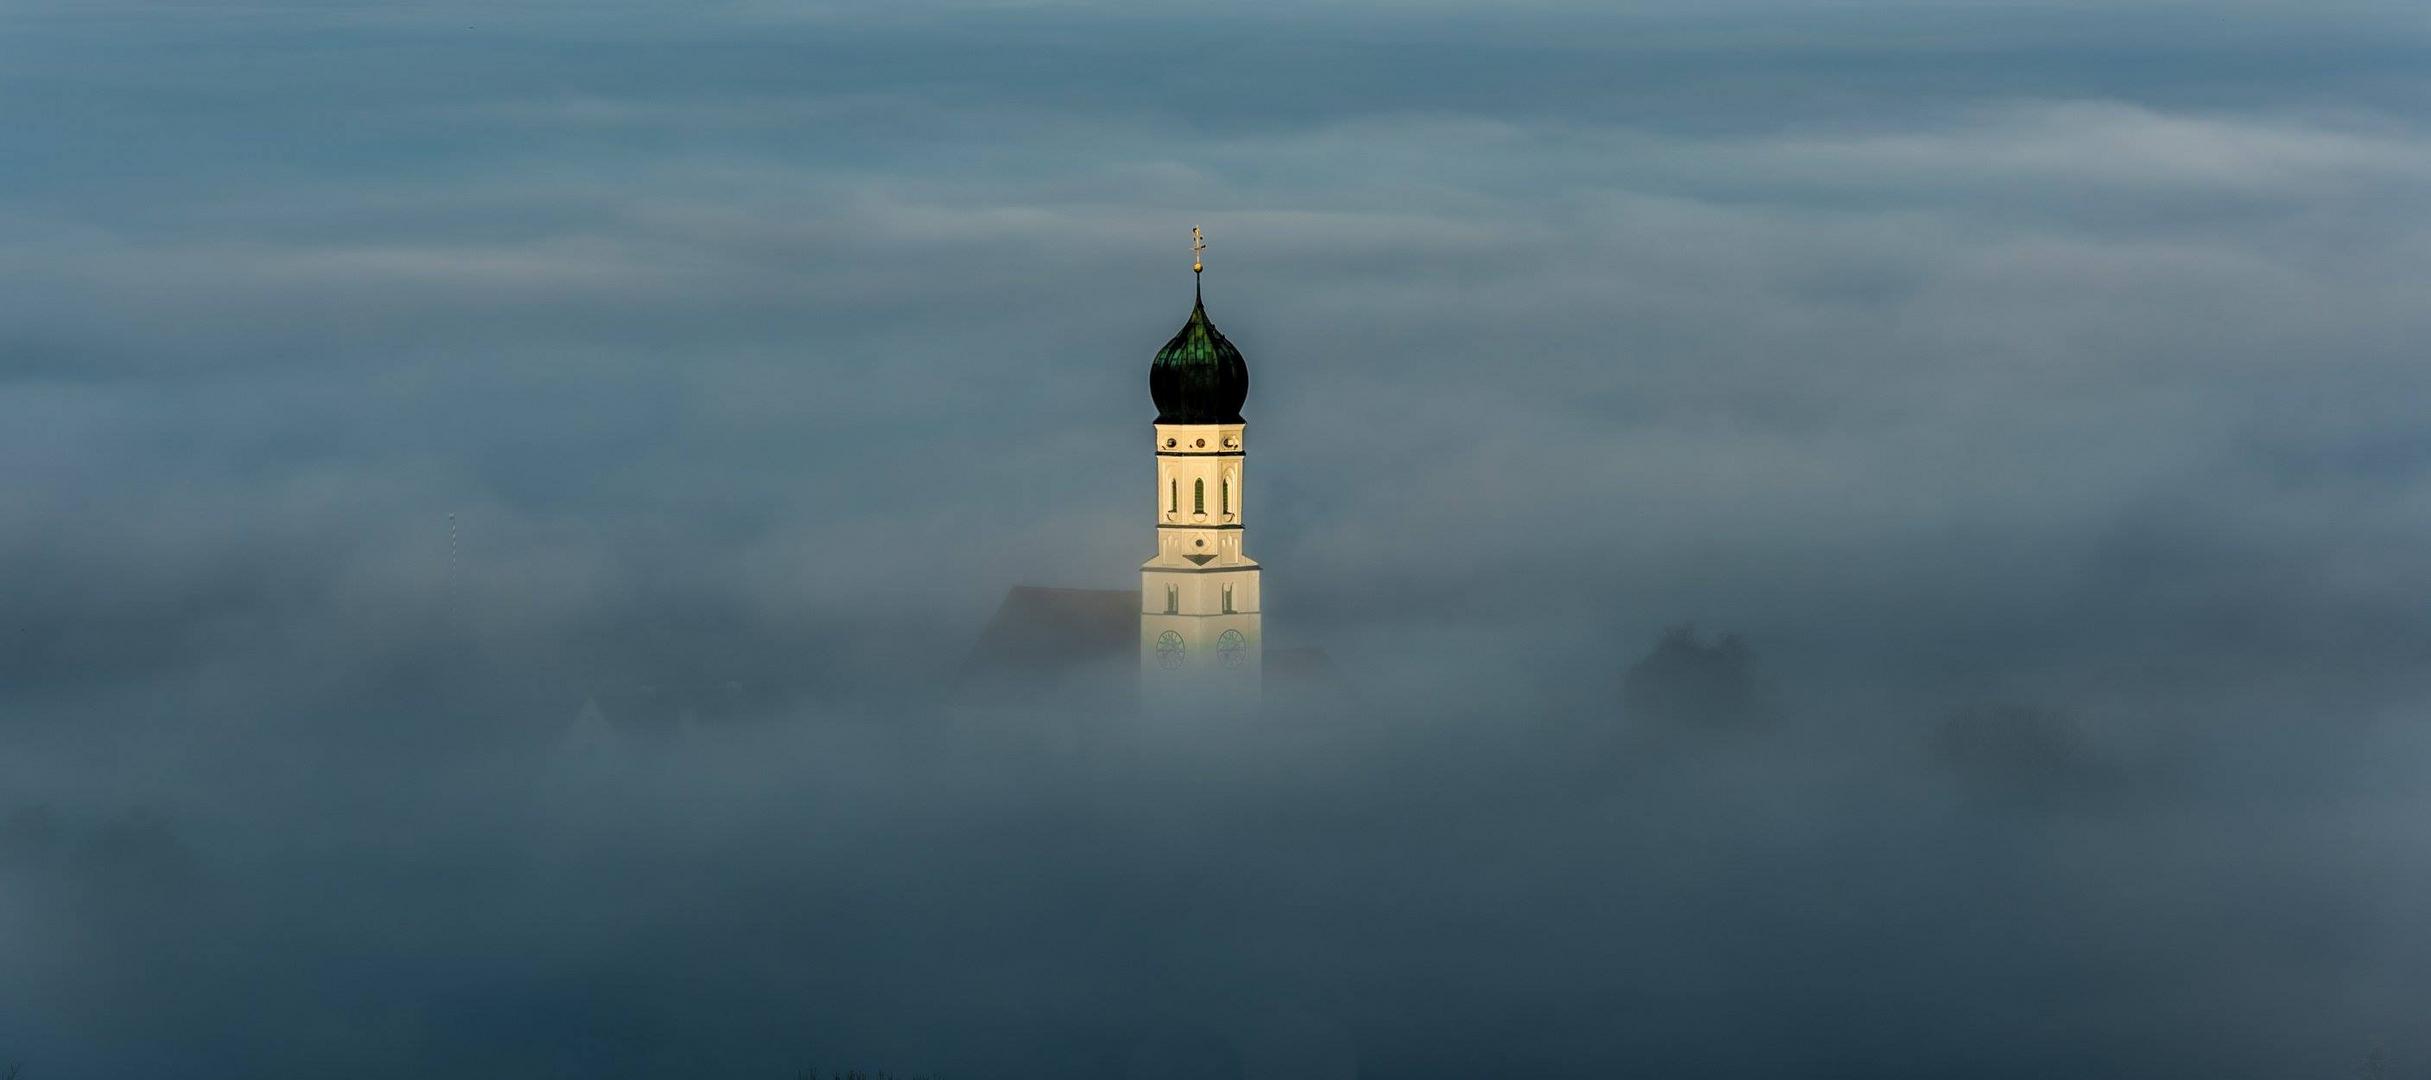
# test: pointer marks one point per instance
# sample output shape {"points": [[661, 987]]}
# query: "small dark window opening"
{"points": [[1198, 496], [1173, 599]]}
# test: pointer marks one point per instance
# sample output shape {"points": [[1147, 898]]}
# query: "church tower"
{"points": [[1199, 621]]}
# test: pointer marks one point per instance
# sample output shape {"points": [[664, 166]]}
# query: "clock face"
{"points": [[1169, 649], [1233, 648]]}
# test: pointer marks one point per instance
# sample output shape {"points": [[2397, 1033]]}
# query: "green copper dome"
{"points": [[1198, 377]]}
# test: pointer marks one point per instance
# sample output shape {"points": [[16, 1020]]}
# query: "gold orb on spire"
{"points": [[1198, 244]]}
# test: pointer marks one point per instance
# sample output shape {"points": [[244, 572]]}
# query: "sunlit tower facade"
{"points": [[1199, 605]]}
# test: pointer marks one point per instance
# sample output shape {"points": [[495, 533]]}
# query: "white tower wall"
{"points": [[1200, 609]]}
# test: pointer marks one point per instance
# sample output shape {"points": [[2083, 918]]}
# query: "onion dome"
{"points": [[1198, 377]]}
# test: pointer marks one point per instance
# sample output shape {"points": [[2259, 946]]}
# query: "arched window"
{"points": [[1227, 492], [1173, 599], [1227, 599], [1198, 496], [1173, 491]]}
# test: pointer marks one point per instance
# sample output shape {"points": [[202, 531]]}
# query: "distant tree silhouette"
{"points": [[2020, 750], [2375, 1064], [1687, 682]]}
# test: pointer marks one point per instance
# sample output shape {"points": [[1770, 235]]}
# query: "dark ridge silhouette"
{"points": [[1044, 640]]}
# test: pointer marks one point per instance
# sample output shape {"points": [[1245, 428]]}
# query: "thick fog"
{"points": [[1871, 540]]}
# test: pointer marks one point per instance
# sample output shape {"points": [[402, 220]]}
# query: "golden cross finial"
{"points": [[1198, 244]]}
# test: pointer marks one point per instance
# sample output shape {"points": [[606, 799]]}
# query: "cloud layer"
{"points": [[2034, 387]]}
